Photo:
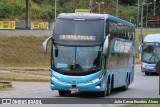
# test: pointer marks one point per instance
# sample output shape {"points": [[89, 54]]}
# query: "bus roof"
{"points": [[152, 38], [92, 16], [80, 16], [120, 20]]}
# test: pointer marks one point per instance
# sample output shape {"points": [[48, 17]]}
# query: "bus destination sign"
{"points": [[78, 37]]}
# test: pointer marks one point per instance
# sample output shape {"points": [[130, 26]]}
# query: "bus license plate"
{"points": [[74, 89]]}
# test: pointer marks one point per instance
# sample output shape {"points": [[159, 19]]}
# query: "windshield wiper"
{"points": [[94, 68], [151, 57], [154, 55], [157, 56], [76, 67], [148, 62], [62, 69]]}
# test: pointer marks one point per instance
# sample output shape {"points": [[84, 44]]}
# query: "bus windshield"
{"points": [[151, 54], [77, 59]]}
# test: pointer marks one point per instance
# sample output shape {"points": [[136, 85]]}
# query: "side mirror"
{"points": [[140, 49], [105, 45], [45, 44]]}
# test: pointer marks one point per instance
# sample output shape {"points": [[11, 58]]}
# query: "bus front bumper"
{"points": [[88, 86], [148, 68]]}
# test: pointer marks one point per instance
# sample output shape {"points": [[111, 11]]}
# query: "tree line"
{"points": [[44, 9]]}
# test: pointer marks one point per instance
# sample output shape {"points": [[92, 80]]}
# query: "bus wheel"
{"points": [[62, 93], [108, 89], [124, 88]]}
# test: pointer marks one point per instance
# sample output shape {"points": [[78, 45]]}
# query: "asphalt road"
{"points": [[142, 87], [36, 33]]}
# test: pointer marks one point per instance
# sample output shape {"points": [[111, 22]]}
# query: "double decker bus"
{"points": [[91, 53], [150, 53]]}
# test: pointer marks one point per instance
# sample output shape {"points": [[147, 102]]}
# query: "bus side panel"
{"points": [[120, 77], [124, 62], [121, 61]]}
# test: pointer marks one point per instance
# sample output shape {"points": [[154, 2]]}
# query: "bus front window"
{"points": [[151, 54], [78, 59]]}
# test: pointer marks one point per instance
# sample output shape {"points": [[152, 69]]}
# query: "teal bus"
{"points": [[150, 53], [91, 53]]}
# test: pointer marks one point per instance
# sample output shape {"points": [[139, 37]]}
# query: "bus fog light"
{"points": [[98, 87], [52, 85], [54, 79]]}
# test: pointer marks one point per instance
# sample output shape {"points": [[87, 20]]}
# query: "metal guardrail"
{"points": [[7, 25], [22, 25]]}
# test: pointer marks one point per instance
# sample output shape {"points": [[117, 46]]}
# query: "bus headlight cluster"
{"points": [[143, 65], [54, 78], [97, 79]]}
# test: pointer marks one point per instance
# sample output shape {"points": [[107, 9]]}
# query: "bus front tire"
{"points": [[62, 93], [108, 89], [124, 88], [106, 92]]}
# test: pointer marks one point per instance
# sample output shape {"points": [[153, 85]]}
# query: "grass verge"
{"points": [[6, 89], [39, 73], [25, 77], [23, 51]]}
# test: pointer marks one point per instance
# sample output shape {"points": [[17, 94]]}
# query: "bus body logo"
{"points": [[73, 81], [124, 47]]}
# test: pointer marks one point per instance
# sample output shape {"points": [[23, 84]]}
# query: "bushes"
{"points": [[44, 9], [15, 9], [11, 9]]}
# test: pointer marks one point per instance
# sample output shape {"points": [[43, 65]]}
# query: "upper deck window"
{"points": [[79, 27], [79, 32]]}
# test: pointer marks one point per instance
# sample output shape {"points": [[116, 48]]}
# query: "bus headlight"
{"points": [[143, 65], [54, 78], [97, 79]]}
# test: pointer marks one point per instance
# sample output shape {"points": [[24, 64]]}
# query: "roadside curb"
{"points": [[5, 84]]}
